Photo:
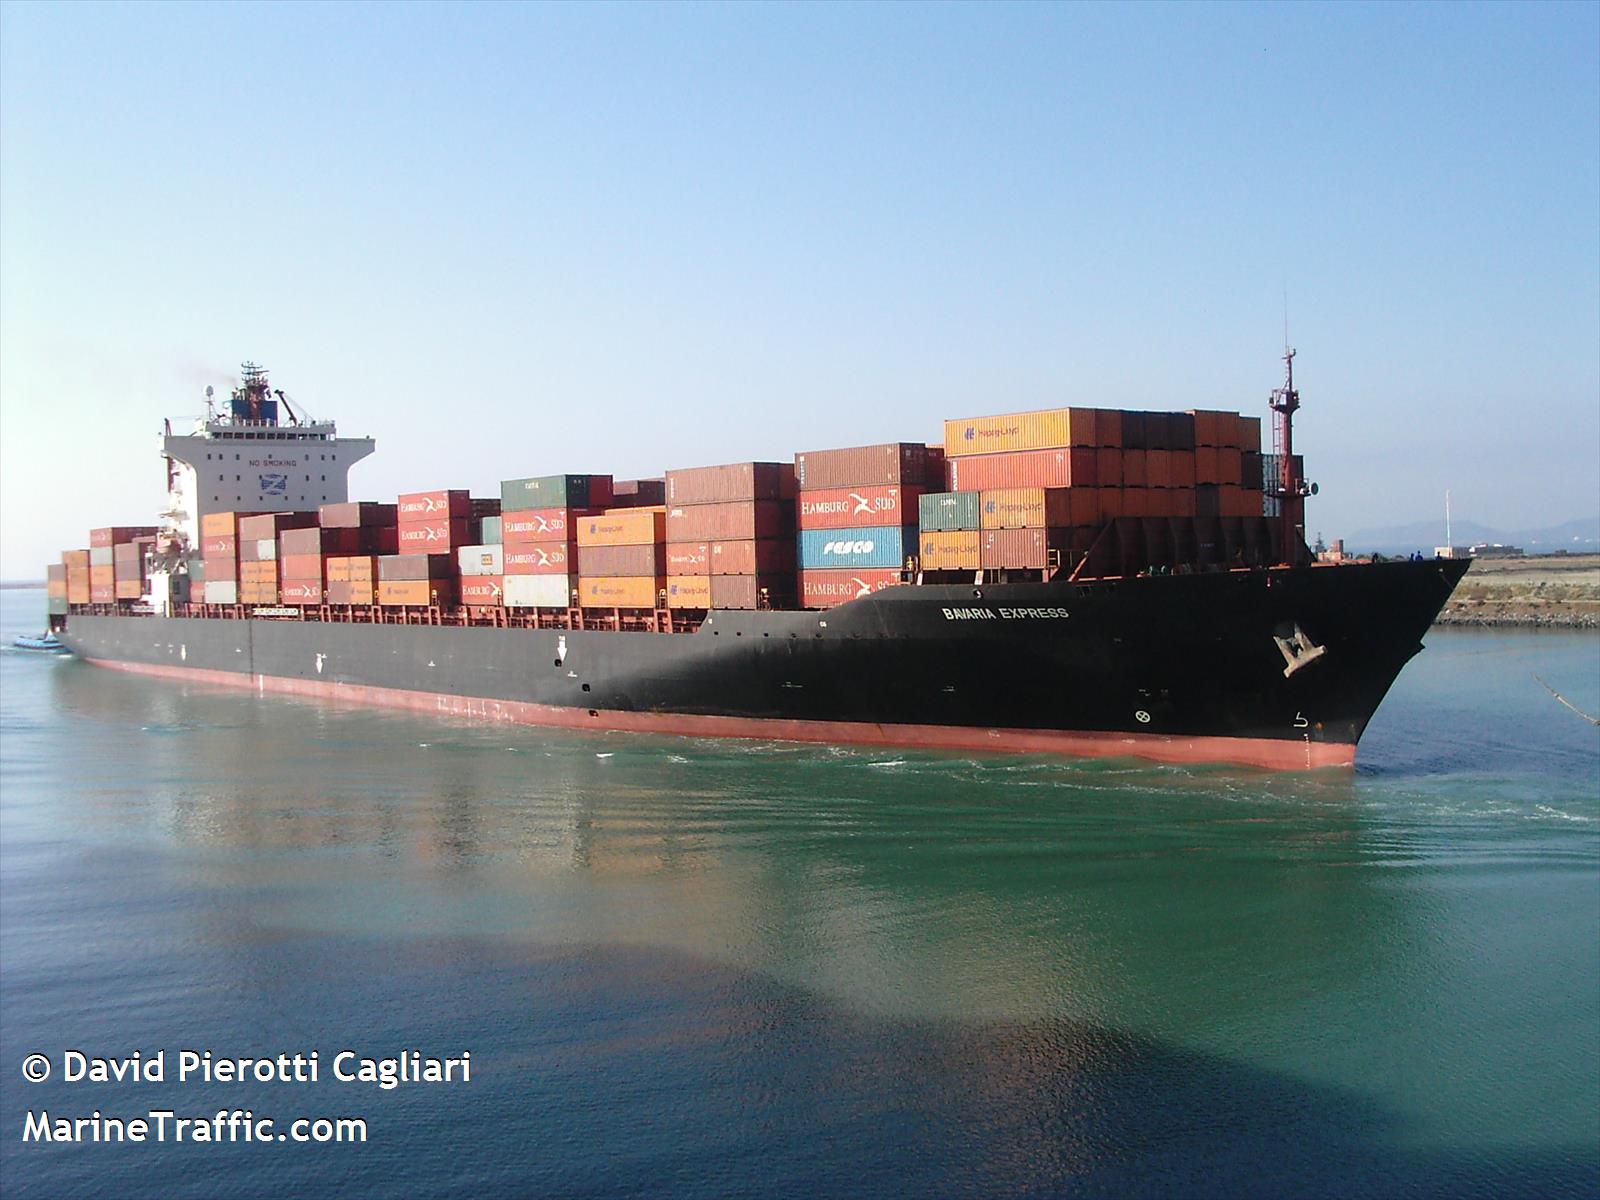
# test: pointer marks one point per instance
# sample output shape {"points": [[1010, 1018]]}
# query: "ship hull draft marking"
{"points": [[1194, 653]]}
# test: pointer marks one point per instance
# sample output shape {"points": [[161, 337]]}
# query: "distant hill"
{"points": [[1579, 534]]}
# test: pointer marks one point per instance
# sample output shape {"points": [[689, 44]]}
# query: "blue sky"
{"points": [[511, 240]]}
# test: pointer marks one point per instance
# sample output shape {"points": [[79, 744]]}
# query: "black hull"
{"points": [[1181, 667]]}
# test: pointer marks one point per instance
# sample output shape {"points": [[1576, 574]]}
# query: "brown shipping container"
{"points": [[859, 507], [1034, 468], [765, 556], [689, 558], [75, 558], [540, 558], [1026, 508], [1183, 468], [483, 591], [1205, 465], [638, 493], [344, 540], [78, 593], [902, 463], [595, 562], [688, 591], [1250, 437], [746, 591], [128, 589], [1230, 466], [735, 481], [453, 505], [1136, 468], [270, 525], [358, 514], [430, 537], [301, 566], [638, 592], [1158, 468], [396, 568], [102, 576], [111, 535], [1021, 549], [219, 546], [735, 521], [395, 592], [102, 593], [351, 592], [956, 551], [832, 586], [300, 591], [541, 525], [626, 527]]}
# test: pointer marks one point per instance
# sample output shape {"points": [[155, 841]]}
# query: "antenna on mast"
{"points": [[1289, 487]]}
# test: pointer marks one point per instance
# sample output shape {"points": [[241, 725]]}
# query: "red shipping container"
{"points": [[302, 566], [111, 535], [395, 568], [314, 540], [300, 591], [860, 507], [357, 515], [221, 570], [1250, 437], [431, 507], [739, 520], [1021, 549], [735, 481], [688, 558], [1135, 472], [1158, 468], [262, 526], [102, 593], [541, 525], [1230, 467], [1024, 468], [832, 586], [1205, 465], [1183, 468], [899, 463], [433, 537], [638, 493], [541, 558], [766, 556], [215, 546], [482, 591]]}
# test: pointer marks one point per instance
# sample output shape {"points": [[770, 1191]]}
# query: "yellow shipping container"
{"points": [[626, 591], [1051, 429], [957, 551], [688, 591], [338, 570], [406, 591], [624, 527]]}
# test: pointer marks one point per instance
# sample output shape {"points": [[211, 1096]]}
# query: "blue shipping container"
{"points": [[877, 546]]}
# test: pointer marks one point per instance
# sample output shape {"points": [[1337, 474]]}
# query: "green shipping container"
{"points": [[56, 606], [948, 512], [555, 491], [492, 535]]}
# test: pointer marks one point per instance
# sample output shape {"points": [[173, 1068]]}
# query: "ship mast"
{"points": [[1289, 488]]}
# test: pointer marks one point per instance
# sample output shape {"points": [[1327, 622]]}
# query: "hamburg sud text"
{"points": [[233, 1123]]}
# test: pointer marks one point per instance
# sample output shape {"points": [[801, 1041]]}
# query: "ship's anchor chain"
{"points": [[1298, 650]]}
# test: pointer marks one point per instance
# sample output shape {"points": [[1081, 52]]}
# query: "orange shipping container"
{"points": [[1050, 429], [397, 592], [338, 570], [301, 566], [626, 527], [688, 591], [129, 589], [102, 576], [637, 591], [258, 572], [688, 558], [1026, 508], [75, 558], [956, 551]]}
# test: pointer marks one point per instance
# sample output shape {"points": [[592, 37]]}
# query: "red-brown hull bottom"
{"points": [[1256, 752]]}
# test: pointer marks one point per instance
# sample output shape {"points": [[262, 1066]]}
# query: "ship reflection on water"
{"points": [[704, 968]]}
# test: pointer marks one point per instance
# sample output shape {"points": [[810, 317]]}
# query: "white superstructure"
{"points": [[247, 460]]}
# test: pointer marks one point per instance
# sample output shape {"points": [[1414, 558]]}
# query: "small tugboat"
{"points": [[47, 642]]}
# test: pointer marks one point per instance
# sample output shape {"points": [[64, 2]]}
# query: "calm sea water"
{"points": [[692, 968]]}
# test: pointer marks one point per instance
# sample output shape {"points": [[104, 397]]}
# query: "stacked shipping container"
{"points": [[539, 519], [730, 536], [857, 516]]}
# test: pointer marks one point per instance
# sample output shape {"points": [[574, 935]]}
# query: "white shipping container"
{"points": [[482, 560], [102, 556], [267, 550], [538, 591], [222, 592]]}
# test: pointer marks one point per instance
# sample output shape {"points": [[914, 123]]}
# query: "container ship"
{"points": [[1073, 581]]}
